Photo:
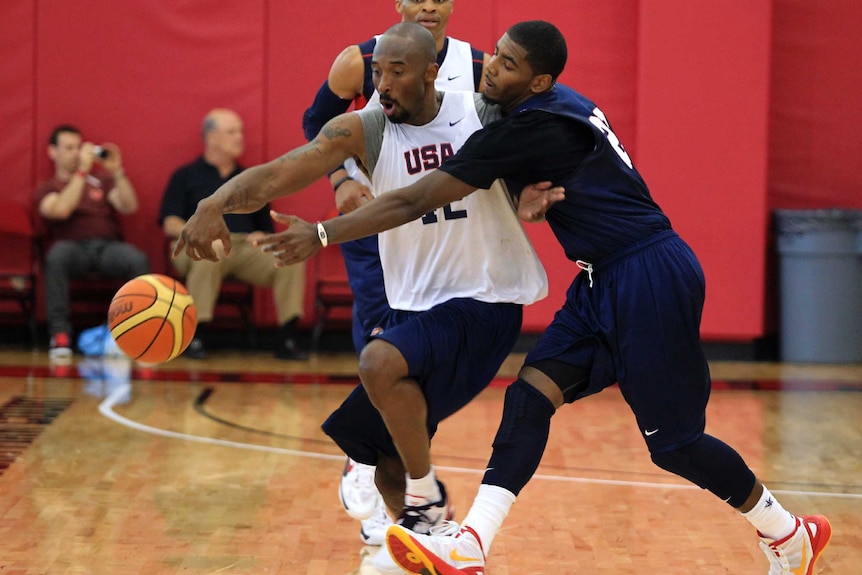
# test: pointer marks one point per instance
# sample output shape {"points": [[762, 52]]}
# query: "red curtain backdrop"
{"points": [[729, 109]]}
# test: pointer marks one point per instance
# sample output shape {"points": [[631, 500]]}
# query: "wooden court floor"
{"points": [[220, 467]]}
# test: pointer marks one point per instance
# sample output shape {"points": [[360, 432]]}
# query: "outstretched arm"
{"points": [[301, 239], [392, 209], [249, 191]]}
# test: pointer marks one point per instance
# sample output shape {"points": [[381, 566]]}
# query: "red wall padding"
{"points": [[690, 88], [702, 129], [17, 97], [815, 121]]}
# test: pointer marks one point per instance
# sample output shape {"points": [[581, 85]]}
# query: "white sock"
{"points": [[770, 518], [422, 491], [489, 510]]}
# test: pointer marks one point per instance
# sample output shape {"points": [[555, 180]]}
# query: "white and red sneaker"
{"points": [[797, 553], [447, 550]]}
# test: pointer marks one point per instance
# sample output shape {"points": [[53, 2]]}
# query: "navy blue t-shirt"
{"points": [[562, 137]]}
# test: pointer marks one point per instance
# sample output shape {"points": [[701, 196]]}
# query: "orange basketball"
{"points": [[152, 318]]}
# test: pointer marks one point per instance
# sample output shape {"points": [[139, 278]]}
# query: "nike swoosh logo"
{"points": [[455, 556], [455, 122], [454, 77], [648, 433], [804, 563]]}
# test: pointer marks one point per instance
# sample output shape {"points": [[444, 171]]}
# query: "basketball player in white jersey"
{"points": [[453, 321], [350, 82]]}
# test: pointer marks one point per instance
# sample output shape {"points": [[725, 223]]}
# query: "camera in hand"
{"points": [[100, 152]]}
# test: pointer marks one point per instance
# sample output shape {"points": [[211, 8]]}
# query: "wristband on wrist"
{"points": [[321, 234], [339, 182], [341, 167]]}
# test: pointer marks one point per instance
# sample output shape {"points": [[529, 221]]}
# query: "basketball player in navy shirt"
{"points": [[632, 316]]}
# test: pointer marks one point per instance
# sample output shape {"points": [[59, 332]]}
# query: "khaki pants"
{"points": [[248, 264]]}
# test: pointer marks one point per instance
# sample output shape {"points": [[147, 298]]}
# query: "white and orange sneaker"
{"points": [[797, 553], [447, 550]]}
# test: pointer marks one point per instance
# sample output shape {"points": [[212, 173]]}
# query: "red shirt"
{"points": [[93, 218]]}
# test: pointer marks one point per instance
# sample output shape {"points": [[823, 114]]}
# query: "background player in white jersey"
{"points": [[350, 83], [453, 322]]}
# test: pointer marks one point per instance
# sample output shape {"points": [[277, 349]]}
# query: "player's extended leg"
{"points": [[358, 429], [423, 368], [791, 544], [403, 407], [664, 377], [456, 351], [545, 383], [400, 401], [530, 403]]}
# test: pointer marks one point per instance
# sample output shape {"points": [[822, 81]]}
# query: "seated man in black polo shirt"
{"points": [[223, 145]]}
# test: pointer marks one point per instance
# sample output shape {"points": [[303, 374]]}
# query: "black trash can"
{"points": [[820, 271]]}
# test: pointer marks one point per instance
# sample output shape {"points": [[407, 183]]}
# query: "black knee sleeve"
{"points": [[571, 379], [713, 465], [521, 438]]}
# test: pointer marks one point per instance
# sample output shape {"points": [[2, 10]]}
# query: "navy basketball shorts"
{"points": [[453, 351], [639, 326]]}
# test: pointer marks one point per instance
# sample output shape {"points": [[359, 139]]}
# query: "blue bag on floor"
{"points": [[98, 342]]}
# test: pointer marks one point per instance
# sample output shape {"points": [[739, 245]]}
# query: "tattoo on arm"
{"points": [[332, 132], [311, 148]]}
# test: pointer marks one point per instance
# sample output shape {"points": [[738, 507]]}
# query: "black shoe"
{"points": [[289, 349], [422, 518], [196, 349]]}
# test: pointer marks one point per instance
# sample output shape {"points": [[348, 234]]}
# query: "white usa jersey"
{"points": [[473, 248], [455, 73], [456, 70]]}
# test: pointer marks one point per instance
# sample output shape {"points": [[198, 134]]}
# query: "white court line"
{"points": [[106, 408]]}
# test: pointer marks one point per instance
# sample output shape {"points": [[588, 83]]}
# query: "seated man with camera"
{"points": [[80, 207]]}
